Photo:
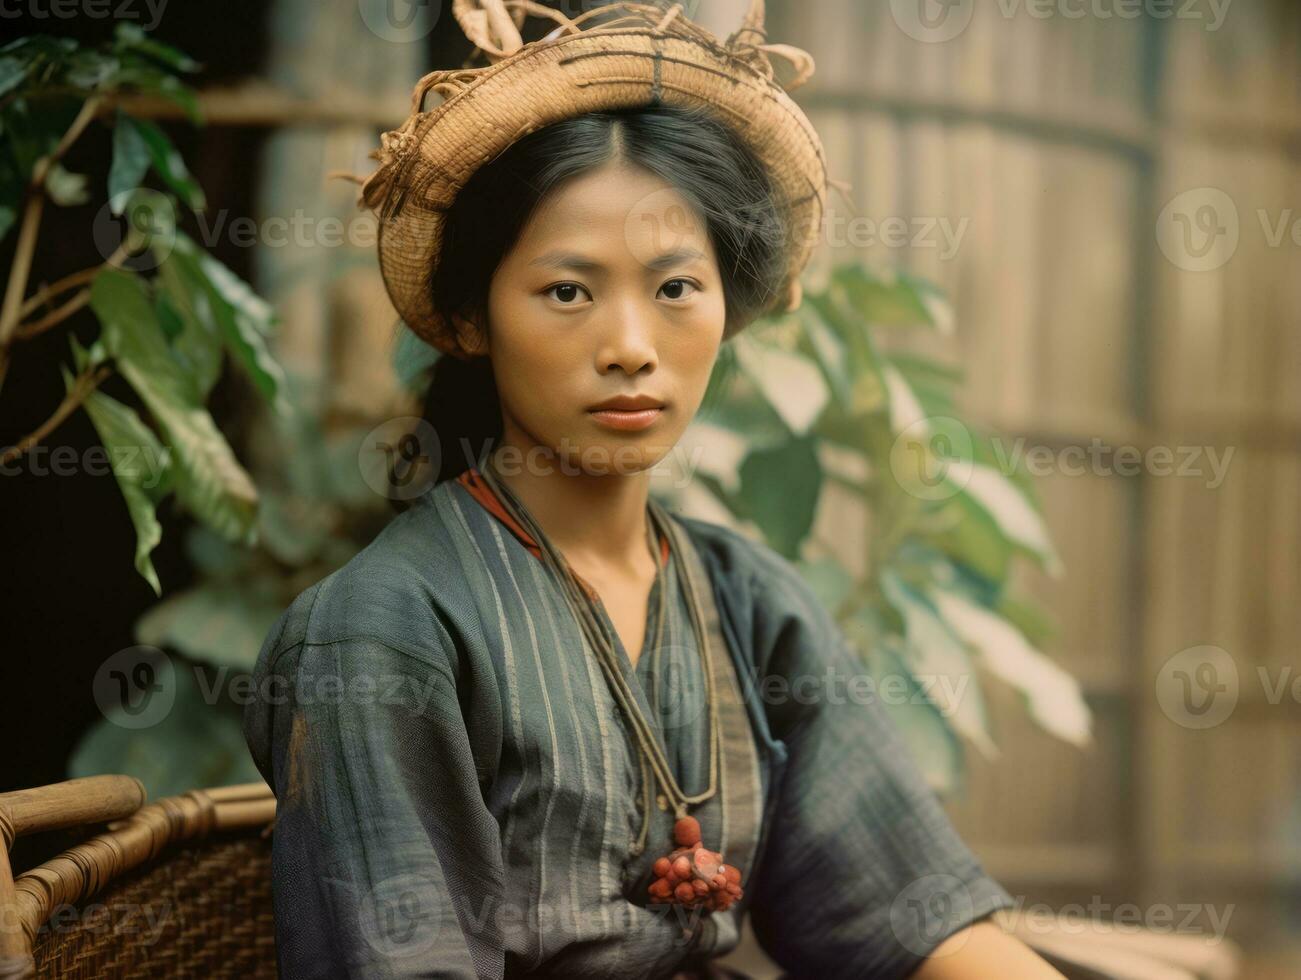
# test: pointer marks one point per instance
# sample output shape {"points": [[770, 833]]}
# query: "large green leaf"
{"points": [[1030, 618], [1012, 512], [905, 408], [89, 69], [828, 351], [39, 64], [780, 488], [245, 320], [167, 162], [739, 407], [972, 538], [33, 128], [897, 300], [131, 37], [933, 384], [13, 71], [1053, 696], [209, 480], [185, 312], [939, 660], [863, 361], [130, 161], [139, 465], [791, 383]]}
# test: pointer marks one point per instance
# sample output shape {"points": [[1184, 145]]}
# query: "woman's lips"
{"points": [[627, 420]]}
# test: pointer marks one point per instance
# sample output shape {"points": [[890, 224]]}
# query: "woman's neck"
{"points": [[594, 520]]}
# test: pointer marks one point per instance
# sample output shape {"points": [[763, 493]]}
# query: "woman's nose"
{"points": [[628, 340]]}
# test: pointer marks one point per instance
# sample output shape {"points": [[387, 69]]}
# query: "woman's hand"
{"points": [[984, 950]]}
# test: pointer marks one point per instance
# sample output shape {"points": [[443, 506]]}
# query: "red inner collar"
{"points": [[478, 488]]}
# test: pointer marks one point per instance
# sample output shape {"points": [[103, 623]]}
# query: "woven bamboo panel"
{"points": [[202, 912]]}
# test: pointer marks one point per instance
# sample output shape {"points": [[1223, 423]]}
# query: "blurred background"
{"points": [[1094, 204]]}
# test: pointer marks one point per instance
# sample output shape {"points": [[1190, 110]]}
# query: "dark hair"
{"points": [[688, 148]]}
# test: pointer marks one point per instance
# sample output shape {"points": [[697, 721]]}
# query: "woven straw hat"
{"points": [[639, 54]]}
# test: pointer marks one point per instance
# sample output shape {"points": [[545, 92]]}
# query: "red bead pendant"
{"points": [[692, 875]]}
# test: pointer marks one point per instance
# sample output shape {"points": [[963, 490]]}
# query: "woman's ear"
{"points": [[472, 338]]}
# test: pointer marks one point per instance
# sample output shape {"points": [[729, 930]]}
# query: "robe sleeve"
{"points": [[380, 819], [862, 873]]}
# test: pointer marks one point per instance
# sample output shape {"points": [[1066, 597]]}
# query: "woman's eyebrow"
{"points": [[581, 263]]}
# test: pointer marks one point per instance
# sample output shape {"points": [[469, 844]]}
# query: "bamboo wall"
{"points": [[1061, 141]]}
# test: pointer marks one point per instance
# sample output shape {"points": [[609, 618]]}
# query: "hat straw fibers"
{"points": [[640, 54]]}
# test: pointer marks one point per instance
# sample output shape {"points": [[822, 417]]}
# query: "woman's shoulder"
{"points": [[398, 590]]}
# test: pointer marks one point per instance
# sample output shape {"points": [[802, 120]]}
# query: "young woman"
{"points": [[541, 726], [455, 722]]}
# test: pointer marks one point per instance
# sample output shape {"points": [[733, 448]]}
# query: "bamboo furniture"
{"points": [[175, 888]]}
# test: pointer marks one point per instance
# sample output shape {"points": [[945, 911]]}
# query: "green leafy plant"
{"points": [[809, 401], [316, 511], [166, 332]]}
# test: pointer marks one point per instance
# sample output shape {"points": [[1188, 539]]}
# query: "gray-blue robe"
{"points": [[457, 790]]}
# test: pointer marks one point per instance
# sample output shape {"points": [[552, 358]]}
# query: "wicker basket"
{"points": [[176, 888]]}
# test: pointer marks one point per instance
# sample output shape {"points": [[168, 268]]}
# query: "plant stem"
{"points": [[46, 293], [26, 331], [18, 275], [10, 311], [85, 383], [29, 330]]}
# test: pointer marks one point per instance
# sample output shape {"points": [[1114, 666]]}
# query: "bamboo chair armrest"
{"points": [[90, 799]]}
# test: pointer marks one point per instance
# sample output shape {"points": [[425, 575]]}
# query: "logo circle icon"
{"points": [[929, 909], [400, 458], [1199, 230], [398, 916], [400, 21], [681, 701], [932, 458], [1198, 687], [142, 220], [932, 21], [658, 223], [135, 688]]}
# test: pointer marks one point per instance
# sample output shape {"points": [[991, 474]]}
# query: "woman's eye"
{"points": [[676, 288], [567, 292]]}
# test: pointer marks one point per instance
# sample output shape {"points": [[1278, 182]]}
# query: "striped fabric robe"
{"points": [[458, 793]]}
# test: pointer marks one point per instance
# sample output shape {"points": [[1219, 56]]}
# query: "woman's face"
{"points": [[612, 291]]}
